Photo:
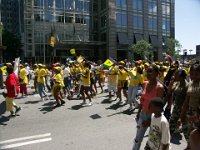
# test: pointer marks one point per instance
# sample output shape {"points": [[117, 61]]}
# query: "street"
{"points": [[102, 126]]}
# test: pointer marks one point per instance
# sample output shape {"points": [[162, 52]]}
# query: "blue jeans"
{"points": [[132, 91], [41, 90], [140, 130]]}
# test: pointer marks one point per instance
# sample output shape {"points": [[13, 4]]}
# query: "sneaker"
{"points": [[42, 99], [12, 114], [89, 104], [57, 105], [17, 110], [83, 103], [47, 98]]}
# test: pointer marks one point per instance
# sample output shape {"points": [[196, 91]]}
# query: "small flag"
{"points": [[72, 51], [80, 59], [16, 64], [108, 63], [4, 69]]}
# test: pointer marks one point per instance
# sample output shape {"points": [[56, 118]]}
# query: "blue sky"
{"points": [[187, 23]]}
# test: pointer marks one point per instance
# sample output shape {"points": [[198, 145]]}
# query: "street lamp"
{"points": [[184, 54]]}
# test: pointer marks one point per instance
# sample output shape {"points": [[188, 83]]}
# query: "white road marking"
{"points": [[25, 138], [25, 143]]}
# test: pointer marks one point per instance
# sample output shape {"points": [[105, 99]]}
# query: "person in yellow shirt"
{"points": [[122, 81], [112, 79], [85, 87], [41, 82], [23, 80], [57, 87], [136, 79]]}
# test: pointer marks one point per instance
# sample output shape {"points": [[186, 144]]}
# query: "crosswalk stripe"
{"points": [[25, 138], [25, 143]]}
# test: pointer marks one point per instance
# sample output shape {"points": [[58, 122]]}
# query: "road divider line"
{"points": [[25, 138], [25, 143]]}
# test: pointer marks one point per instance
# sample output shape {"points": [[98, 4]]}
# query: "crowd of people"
{"points": [[166, 95]]}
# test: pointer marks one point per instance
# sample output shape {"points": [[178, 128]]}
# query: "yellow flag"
{"points": [[52, 41], [108, 63]]}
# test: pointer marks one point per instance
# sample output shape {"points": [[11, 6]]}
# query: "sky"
{"points": [[187, 24]]}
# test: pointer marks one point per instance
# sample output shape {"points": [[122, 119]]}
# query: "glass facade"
{"points": [[166, 18], [152, 19], [121, 15], [138, 14], [65, 19]]}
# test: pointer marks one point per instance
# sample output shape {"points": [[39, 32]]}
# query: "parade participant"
{"points": [[136, 79], [47, 78], [177, 94], [85, 87], [159, 135], [35, 66], [146, 65], [191, 103], [112, 79], [23, 80], [92, 82], [12, 91], [151, 88], [99, 74], [57, 87], [194, 138], [67, 79], [41, 82], [122, 81], [27, 72]]}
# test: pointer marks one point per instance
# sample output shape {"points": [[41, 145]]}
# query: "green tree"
{"points": [[142, 48], [172, 46], [13, 44]]}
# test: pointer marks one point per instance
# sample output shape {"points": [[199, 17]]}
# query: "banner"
{"points": [[52, 41], [4, 69], [16, 64]]}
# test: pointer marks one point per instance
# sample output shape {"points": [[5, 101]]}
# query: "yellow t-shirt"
{"points": [[86, 80], [59, 79], [113, 75], [123, 75], [41, 75], [23, 76], [135, 78], [36, 71]]}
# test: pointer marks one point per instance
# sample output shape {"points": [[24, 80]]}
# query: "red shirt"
{"points": [[11, 82]]}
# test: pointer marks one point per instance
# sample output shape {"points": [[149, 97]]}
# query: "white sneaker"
{"points": [[83, 103], [47, 98], [89, 104], [42, 99]]}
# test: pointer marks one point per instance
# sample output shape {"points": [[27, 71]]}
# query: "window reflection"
{"points": [[152, 23], [138, 21], [137, 5], [152, 7]]}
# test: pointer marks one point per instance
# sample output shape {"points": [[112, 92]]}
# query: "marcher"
{"points": [[23, 81], [12, 91], [151, 88]]}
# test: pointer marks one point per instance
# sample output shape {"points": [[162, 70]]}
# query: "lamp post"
{"points": [[190, 51], [184, 54]]}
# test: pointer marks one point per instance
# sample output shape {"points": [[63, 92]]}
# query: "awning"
{"points": [[122, 38], [153, 40], [138, 37]]}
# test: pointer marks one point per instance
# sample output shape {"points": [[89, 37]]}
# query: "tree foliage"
{"points": [[142, 48], [12, 43], [172, 46]]}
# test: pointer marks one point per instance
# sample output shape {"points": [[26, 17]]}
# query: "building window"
{"points": [[152, 7], [121, 19], [152, 23], [137, 21], [103, 36], [165, 9], [69, 5], [121, 4], [166, 26], [137, 5]]}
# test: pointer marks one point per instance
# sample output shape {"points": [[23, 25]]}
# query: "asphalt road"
{"points": [[102, 126]]}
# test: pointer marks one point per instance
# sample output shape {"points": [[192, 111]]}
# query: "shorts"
{"points": [[10, 103], [123, 84]]}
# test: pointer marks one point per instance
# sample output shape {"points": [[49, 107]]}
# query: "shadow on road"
{"points": [[48, 107], [76, 107], [107, 101], [32, 102], [116, 106]]}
